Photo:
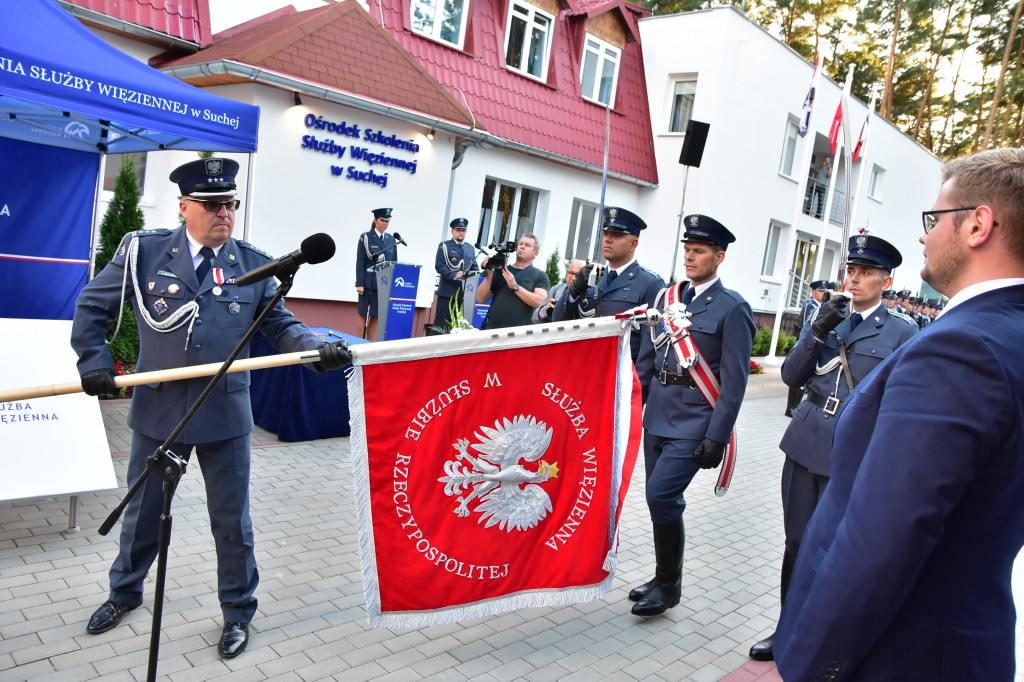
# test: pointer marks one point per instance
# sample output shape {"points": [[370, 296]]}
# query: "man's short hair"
{"points": [[536, 242], [992, 178]]}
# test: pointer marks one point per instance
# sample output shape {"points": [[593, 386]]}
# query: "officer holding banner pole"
{"points": [[693, 369]]}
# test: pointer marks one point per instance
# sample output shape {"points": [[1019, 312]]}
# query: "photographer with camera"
{"points": [[515, 290], [624, 285]]}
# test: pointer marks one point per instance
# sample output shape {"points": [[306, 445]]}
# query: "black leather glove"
{"points": [[333, 355], [709, 453], [579, 285], [99, 382], [830, 314]]}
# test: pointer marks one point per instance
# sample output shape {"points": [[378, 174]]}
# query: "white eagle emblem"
{"points": [[214, 167], [862, 242], [694, 220], [506, 490]]}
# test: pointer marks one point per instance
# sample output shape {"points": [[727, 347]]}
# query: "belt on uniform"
{"points": [[828, 404], [668, 378]]}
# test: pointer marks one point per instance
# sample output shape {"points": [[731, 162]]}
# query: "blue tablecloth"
{"points": [[295, 402]]}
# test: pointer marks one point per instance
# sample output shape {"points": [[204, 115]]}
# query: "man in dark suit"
{"points": [[833, 354], [905, 568], [375, 247], [625, 285], [454, 259], [189, 312], [682, 431], [818, 289]]}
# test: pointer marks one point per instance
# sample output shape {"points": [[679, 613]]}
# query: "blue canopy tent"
{"points": [[63, 86]]}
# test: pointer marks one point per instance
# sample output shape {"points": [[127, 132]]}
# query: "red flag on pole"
{"points": [[489, 478], [837, 124], [863, 138]]}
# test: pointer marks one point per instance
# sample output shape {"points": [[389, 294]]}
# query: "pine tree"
{"points": [[123, 216], [554, 273]]}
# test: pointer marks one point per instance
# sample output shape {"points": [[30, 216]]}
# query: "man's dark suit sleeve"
{"points": [[929, 438]]}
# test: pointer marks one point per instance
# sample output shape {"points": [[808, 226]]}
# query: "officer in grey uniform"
{"points": [[818, 289], [833, 354], [682, 431], [189, 312], [625, 284], [455, 259], [375, 246]]}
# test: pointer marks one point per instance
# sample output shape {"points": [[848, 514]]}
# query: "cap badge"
{"points": [[214, 167], [862, 242], [613, 213], [694, 221]]}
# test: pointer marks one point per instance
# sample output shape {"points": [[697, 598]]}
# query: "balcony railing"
{"points": [[814, 203]]}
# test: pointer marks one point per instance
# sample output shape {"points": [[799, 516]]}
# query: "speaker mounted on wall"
{"points": [[693, 145]]}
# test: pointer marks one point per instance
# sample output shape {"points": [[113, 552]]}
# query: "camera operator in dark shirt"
{"points": [[516, 290]]}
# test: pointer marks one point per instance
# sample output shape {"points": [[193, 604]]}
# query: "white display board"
{"points": [[48, 446]]}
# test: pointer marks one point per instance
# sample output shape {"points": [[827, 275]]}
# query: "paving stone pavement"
{"points": [[311, 623]]}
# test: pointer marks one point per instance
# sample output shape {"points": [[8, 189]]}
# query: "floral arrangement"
{"points": [[756, 368], [123, 368]]}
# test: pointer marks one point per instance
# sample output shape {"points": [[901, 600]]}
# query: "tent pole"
{"points": [[96, 211], [248, 197]]}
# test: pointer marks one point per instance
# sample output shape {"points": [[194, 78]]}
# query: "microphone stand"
{"points": [[170, 467]]}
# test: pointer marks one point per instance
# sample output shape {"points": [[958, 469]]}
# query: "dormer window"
{"points": [[600, 72], [528, 40], [441, 20]]}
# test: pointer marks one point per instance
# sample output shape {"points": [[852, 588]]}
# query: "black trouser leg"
{"points": [[762, 651]]}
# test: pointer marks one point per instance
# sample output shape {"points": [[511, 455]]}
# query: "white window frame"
{"points": [[492, 214], [436, 9], [789, 140], [604, 53], [112, 167], [876, 182], [771, 251], [533, 18], [674, 97], [576, 228]]}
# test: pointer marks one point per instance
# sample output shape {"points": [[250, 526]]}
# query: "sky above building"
{"points": [[227, 13]]}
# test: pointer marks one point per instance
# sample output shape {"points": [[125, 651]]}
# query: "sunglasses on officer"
{"points": [[214, 206]]}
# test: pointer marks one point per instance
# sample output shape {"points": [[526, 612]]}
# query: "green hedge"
{"points": [[763, 342]]}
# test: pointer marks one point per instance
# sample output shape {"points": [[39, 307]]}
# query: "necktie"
{"points": [[855, 319], [688, 296], [611, 276], [204, 265]]}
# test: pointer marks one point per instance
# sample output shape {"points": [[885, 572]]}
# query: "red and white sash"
{"points": [[676, 325]]}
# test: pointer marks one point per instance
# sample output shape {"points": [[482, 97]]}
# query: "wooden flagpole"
{"points": [[171, 374]]}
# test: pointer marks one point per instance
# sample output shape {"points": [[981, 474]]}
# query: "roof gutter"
{"points": [[479, 138], [277, 80], [148, 35]]}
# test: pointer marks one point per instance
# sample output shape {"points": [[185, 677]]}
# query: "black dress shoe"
{"points": [[659, 600], [762, 651], [108, 616], [638, 593], [233, 639]]}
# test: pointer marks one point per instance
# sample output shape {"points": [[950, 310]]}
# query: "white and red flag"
{"points": [[490, 469], [862, 140]]}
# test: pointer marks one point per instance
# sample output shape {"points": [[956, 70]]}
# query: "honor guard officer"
{"points": [[625, 285], [375, 246], [818, 289], [189, 312], [682, 431], [833, 354], [454, 261]]}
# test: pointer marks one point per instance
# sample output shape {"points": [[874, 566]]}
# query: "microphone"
{"points": [[314, 249], [398, 238]]}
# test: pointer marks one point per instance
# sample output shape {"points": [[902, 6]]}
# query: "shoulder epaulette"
{"points": [[901, 316], [148, 233], [649, 271], [250, 247]]}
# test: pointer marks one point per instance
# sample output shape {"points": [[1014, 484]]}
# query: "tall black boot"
{"points": [[669, 539], [763, 650]]}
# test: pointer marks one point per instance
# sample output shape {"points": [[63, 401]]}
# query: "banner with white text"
{"points": [[491, 468]]}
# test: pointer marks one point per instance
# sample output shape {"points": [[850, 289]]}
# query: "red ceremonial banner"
{"points": [[491, 480]]}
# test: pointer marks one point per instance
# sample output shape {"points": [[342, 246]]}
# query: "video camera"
{"points": [[501, 251]]}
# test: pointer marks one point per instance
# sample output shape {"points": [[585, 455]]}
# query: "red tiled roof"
{"points": [[551, 117], [185, 19], [341, 47]]}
